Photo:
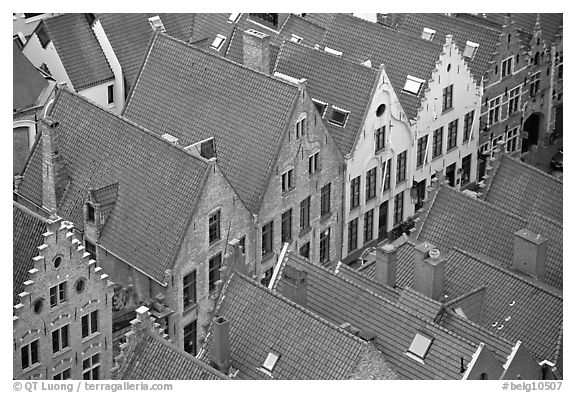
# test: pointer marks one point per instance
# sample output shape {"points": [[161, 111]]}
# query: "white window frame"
{"points": [[517, 91], [410, 84], [218, 42], [428, 34], [233, 18], [346, 114], [494, 110], [470, 50], [156, 23], [325, 104], [509, 60]]}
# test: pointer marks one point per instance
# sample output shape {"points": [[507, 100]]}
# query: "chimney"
{"points": [[295, 285], [530, 251], [429, 273], [257, 51], [220, 350], [449, 39], [386, 265], [54, 176]]}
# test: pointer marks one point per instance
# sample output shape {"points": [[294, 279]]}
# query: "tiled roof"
{"points": [[404, 269], [106, 196], [549, 24], [155, 358], [402, 54], [322, 20], [337, 299], [207, 26], [27, 82], [79, 50], [334, 80], [552, 231], [419, 304], [462, 31], [194, 95], [262, 321], [27, 230], [514, 307], [522, 189], [367, 282], [157, 183], [31, 185]]}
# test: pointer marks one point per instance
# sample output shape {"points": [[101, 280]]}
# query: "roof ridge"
{"points": [[539, 285], [465, 295], [532, 168], [361, 274], [545, 218], [480, 327], [416, 293]]}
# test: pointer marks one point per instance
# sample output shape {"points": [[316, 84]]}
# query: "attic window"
{"points": [[470, 50], [339, 116], [218, 42], [413, 85], [428, 34], [89, 212], [43, 36], [320, 106], [270, 361], [295, 38], [156, 23], [419, 347], [233, 18]]}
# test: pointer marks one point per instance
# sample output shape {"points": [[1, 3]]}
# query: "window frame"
{"points": [[314, 164], [371, 184], [218, 42], [369, 226], [59, 294], [421, 150], [214, 230], [286, 227], [401, 167], [325, 246], [305, 213], [267, 238], [300, 128], [32, 358], [398, 208], [468, 122], [191, 329], [91, 324], [111, 94], [60, 338], [214, 271], [340, 111], [380, 137], [452, 135], [437, 142], [506, 67], [288, 180], [494, 110], [355, 192], [325, 200], [353, 235], [514, 97], [447, 97], [189, 290]]}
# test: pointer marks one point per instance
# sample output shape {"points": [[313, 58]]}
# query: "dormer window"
{"points": [[89, 212], [295, 38], [270, 361], [320, 106], [428, 34], [270, 19], [156, 23], [339, 116], [413, 85], [218, 42], [470, 50], [233, 18], [419, 347]]}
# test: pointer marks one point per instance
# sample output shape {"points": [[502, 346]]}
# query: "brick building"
{"points": [[62, 320]]}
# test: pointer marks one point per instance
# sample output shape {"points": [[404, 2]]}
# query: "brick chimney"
{"points": [[54, 175], [429, 272], [295, 285], [386, 265], [220, 350], [257, 51], [530, 252]]}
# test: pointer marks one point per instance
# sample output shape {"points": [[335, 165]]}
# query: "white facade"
{"points": [[49, 56]]}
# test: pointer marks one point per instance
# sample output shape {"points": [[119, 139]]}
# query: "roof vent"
{"points": [[434, 253]]}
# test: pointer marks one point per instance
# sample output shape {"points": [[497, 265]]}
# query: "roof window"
{"points": [[218, 42], [333, 51], [320, 106], [428, 34], [419, 347], [233, 18], [270, 361], [156, 23], [413, 85], [470, 50], [339, 116], [295, 38]]}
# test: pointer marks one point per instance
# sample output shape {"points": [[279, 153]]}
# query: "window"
{"points": [[447, 98], [295, 38], [110, 94], [368, 225], [242, 244], [494, 111], [288, 180], [437, 142], [29, 354], [43, 36], [89, 324], [58, 294], [218, 42], [63, 375], [305, 214], [286, 234], [398, 208], [90, 212], [380, 138], [514, 100], [60, 339], [466, 166], [90, 249], [470, 50], [355, 193], [420, 346], [506, 67], [305, 250], [190, 338], [380, 110], [189, 289], [468, 120], [338, 116], [428, 34], [156, 23], [271, 19], [325, 246], [314, 163], [267, 277], [267, 236], [233, 18], [560, 63], [401, 167], [270, 361], [512, 140], [320, 106], [421, 150], [387, 167], [325, 200], [371, 184], [300, 128], [413, 85], [452, 134], [534, 84], [353, 235], [484, 148], [214, 271], [214, 227]]}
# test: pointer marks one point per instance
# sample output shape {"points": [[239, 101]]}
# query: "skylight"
{"points": [[413, 85], [156, 23], [333, 51], [233, 18], [270, 361], [428, 34], [419, 347], [320, 106], [470, 50], [339, 116], [295, 38], [218, 41]]}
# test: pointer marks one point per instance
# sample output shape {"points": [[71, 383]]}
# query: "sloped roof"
{"points": [[158, 184], [367, 282], [155, 358], [27, 230], [79, 50], [27, 82], [404, 268], [334, 80], [208, 25], [462, 31], [522, 189], [262, 321], [322, 20], [419, 304], [106, 196], [339, 300], [402, 54], [193, 95]]}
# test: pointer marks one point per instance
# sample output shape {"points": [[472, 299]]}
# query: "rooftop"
{"points": [[28, 84]]}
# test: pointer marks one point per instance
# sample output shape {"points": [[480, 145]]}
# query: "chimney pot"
{"points": [[220, 350]]}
